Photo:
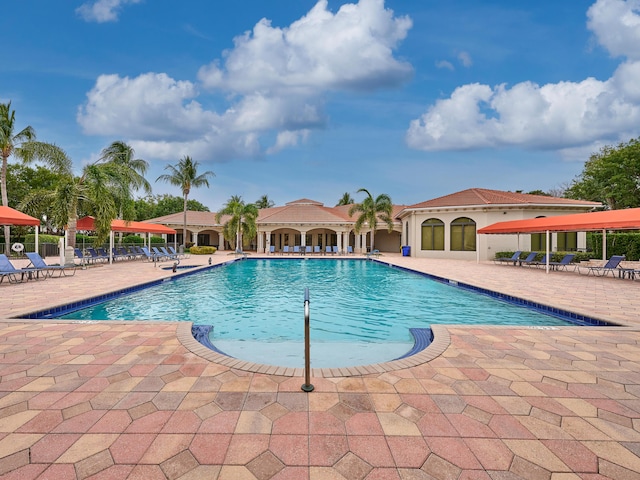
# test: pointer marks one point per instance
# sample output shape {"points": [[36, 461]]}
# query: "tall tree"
{"points": [[242, 223], [185, 175], [122, 157], [92, 192], [10, 142], [264, 202], [611, 176], [346, 199], [153, 206], [370, 210]]}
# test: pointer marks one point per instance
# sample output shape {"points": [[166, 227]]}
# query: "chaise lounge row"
{"points": [[611, 266], [37, 269], [308, 250]]}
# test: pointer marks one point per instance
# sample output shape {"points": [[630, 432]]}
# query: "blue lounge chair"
{"points": [[167, 254], [103, 254], [539, 263], [38, 262], [610, 267], [531, 258], [83, 260], [148, 255], [317, 249], [512, 259], [272, 249], [296, 249], [334, 250], [285, 249], [349, 250], [308, 249], [327, 249], [11, 273], [565, 263], [159, 254], [96, 257]]}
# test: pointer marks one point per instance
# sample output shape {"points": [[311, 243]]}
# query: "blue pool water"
{"points": [[361, 311]]}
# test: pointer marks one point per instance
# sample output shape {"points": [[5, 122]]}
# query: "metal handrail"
{"points": [[307, 387]]}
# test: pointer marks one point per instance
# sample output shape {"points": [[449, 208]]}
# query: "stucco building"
{"points": [[444, 227]]}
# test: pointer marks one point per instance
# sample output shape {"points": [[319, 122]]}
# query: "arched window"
{"points": [[433, 234], [463, 235]]}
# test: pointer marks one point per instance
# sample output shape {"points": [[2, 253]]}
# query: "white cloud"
{"points": [[616, 24], [565, 116], [465, 59], [445, 64], [351, 49], [102, 11], [274, 83]]}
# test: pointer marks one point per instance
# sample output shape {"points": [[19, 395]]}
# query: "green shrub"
{"points": [[157, 240], [42, 238], [627, 243], [204, 250], [129, 239]]}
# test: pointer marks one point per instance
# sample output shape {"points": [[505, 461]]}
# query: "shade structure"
{"points": [[11, 216], [88, 223], [627, 219]]}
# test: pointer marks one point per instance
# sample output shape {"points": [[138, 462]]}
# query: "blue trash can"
{"points": [[406, 251]]}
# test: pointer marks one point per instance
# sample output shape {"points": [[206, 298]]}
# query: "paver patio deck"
{"points": [[97, 400]]}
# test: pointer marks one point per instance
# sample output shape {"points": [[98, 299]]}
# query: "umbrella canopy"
{"points": [[628, 219], [87, 223], [10, 216]]}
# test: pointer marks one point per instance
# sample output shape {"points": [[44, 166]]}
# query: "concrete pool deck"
{"points": [[123, 400]]}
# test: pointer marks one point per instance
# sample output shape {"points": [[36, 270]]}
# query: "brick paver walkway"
{"points": [[124, 400]]}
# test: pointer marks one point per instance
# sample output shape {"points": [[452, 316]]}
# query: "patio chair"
{"points": [[512, 259], [83, 260], [103, 254], [11, 273], [539, 263], [167, 254], [334, 250], [327, 250], [38, 262], [296, 249], [272, 249], [308, 250], [285, 249], [565, 263], [173, 251], [530, 259], [610, 267], [148, 255], [97, 257], [349, 250], [159, 254], [317, 249]]}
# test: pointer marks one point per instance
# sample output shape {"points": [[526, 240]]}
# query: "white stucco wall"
{"points": [[487, 245]]}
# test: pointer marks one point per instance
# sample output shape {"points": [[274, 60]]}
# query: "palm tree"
{"points": [[122, 157], [23, 145], [242, 223], [185, 175], [97, 190], [346, 199], [264, 202], [9, 143], [371, 210]]}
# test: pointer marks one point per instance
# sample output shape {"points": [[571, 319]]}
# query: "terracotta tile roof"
{"points": [[193, 218], [295, 212], [305, 201], [483, 196]]}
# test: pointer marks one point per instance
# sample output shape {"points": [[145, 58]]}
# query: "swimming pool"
{"points": [[361, 311]]}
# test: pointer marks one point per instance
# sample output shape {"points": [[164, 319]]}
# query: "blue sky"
{"points": [[297, 98]]}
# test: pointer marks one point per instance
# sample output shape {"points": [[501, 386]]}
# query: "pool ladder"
{"points": [[307, 387]]}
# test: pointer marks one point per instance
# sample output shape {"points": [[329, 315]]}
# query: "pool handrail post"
{"points": [[306, 387]]}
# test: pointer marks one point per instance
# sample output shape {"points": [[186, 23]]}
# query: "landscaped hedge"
{"points": [[627, 243], [204, 250], [130, 239], [555, 256]]}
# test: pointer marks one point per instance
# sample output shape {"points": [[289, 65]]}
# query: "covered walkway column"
{"points": [[267, 247], [220, 241], [358, 247], [260, 239], [303, 238], [194, 238], [340, 243]]}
